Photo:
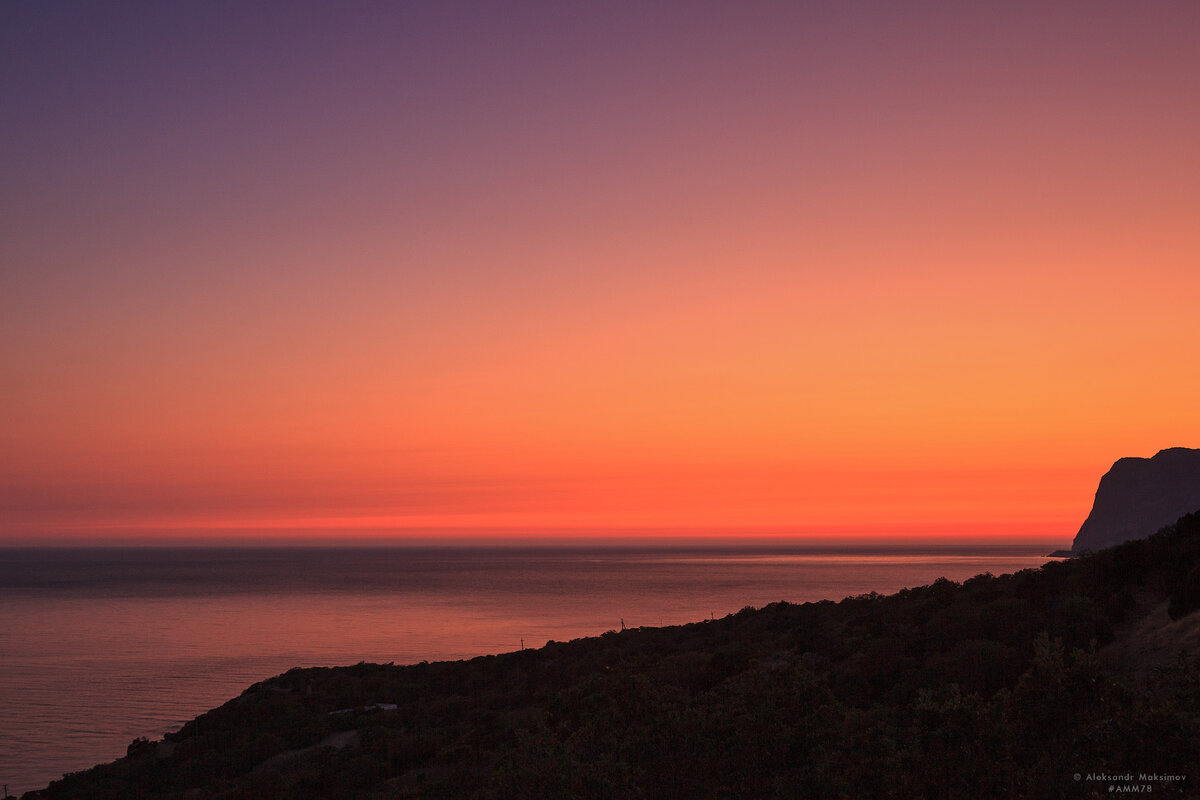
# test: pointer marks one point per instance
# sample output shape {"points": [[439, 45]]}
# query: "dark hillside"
{"points": [[1002, 686]]}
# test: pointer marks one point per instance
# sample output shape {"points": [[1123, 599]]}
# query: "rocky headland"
{"points": [[1138, 496]]}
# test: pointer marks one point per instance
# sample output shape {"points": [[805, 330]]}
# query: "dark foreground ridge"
{"points": [[1058, 682]]}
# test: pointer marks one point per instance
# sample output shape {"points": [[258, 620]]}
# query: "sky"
{"points": [[819, 270]]}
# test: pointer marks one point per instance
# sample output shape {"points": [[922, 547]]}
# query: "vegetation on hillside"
{"points": [[1008, 686]]}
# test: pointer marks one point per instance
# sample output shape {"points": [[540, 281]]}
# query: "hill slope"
{"points": [[999, 687]]}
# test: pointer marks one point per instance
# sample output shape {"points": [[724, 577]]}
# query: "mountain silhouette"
{"points": [[1138, 496]]}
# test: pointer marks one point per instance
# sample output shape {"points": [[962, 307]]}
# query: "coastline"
{"points": [[952, 659], [244, 611]]}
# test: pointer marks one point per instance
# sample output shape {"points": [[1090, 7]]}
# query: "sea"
{"points": [[100, 646]]}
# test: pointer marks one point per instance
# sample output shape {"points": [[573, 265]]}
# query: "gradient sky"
{"points": [[822, 269]]}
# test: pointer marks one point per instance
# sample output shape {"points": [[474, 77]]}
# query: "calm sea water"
{"points": [[103, 645]]}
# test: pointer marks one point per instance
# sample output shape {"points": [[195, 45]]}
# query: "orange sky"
{"points": [[827, 271]]}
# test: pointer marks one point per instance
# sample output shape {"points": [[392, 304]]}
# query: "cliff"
{"points": [[1138, 496]]}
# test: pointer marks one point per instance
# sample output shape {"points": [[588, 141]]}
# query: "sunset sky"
{"points": [[804, 269]]}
